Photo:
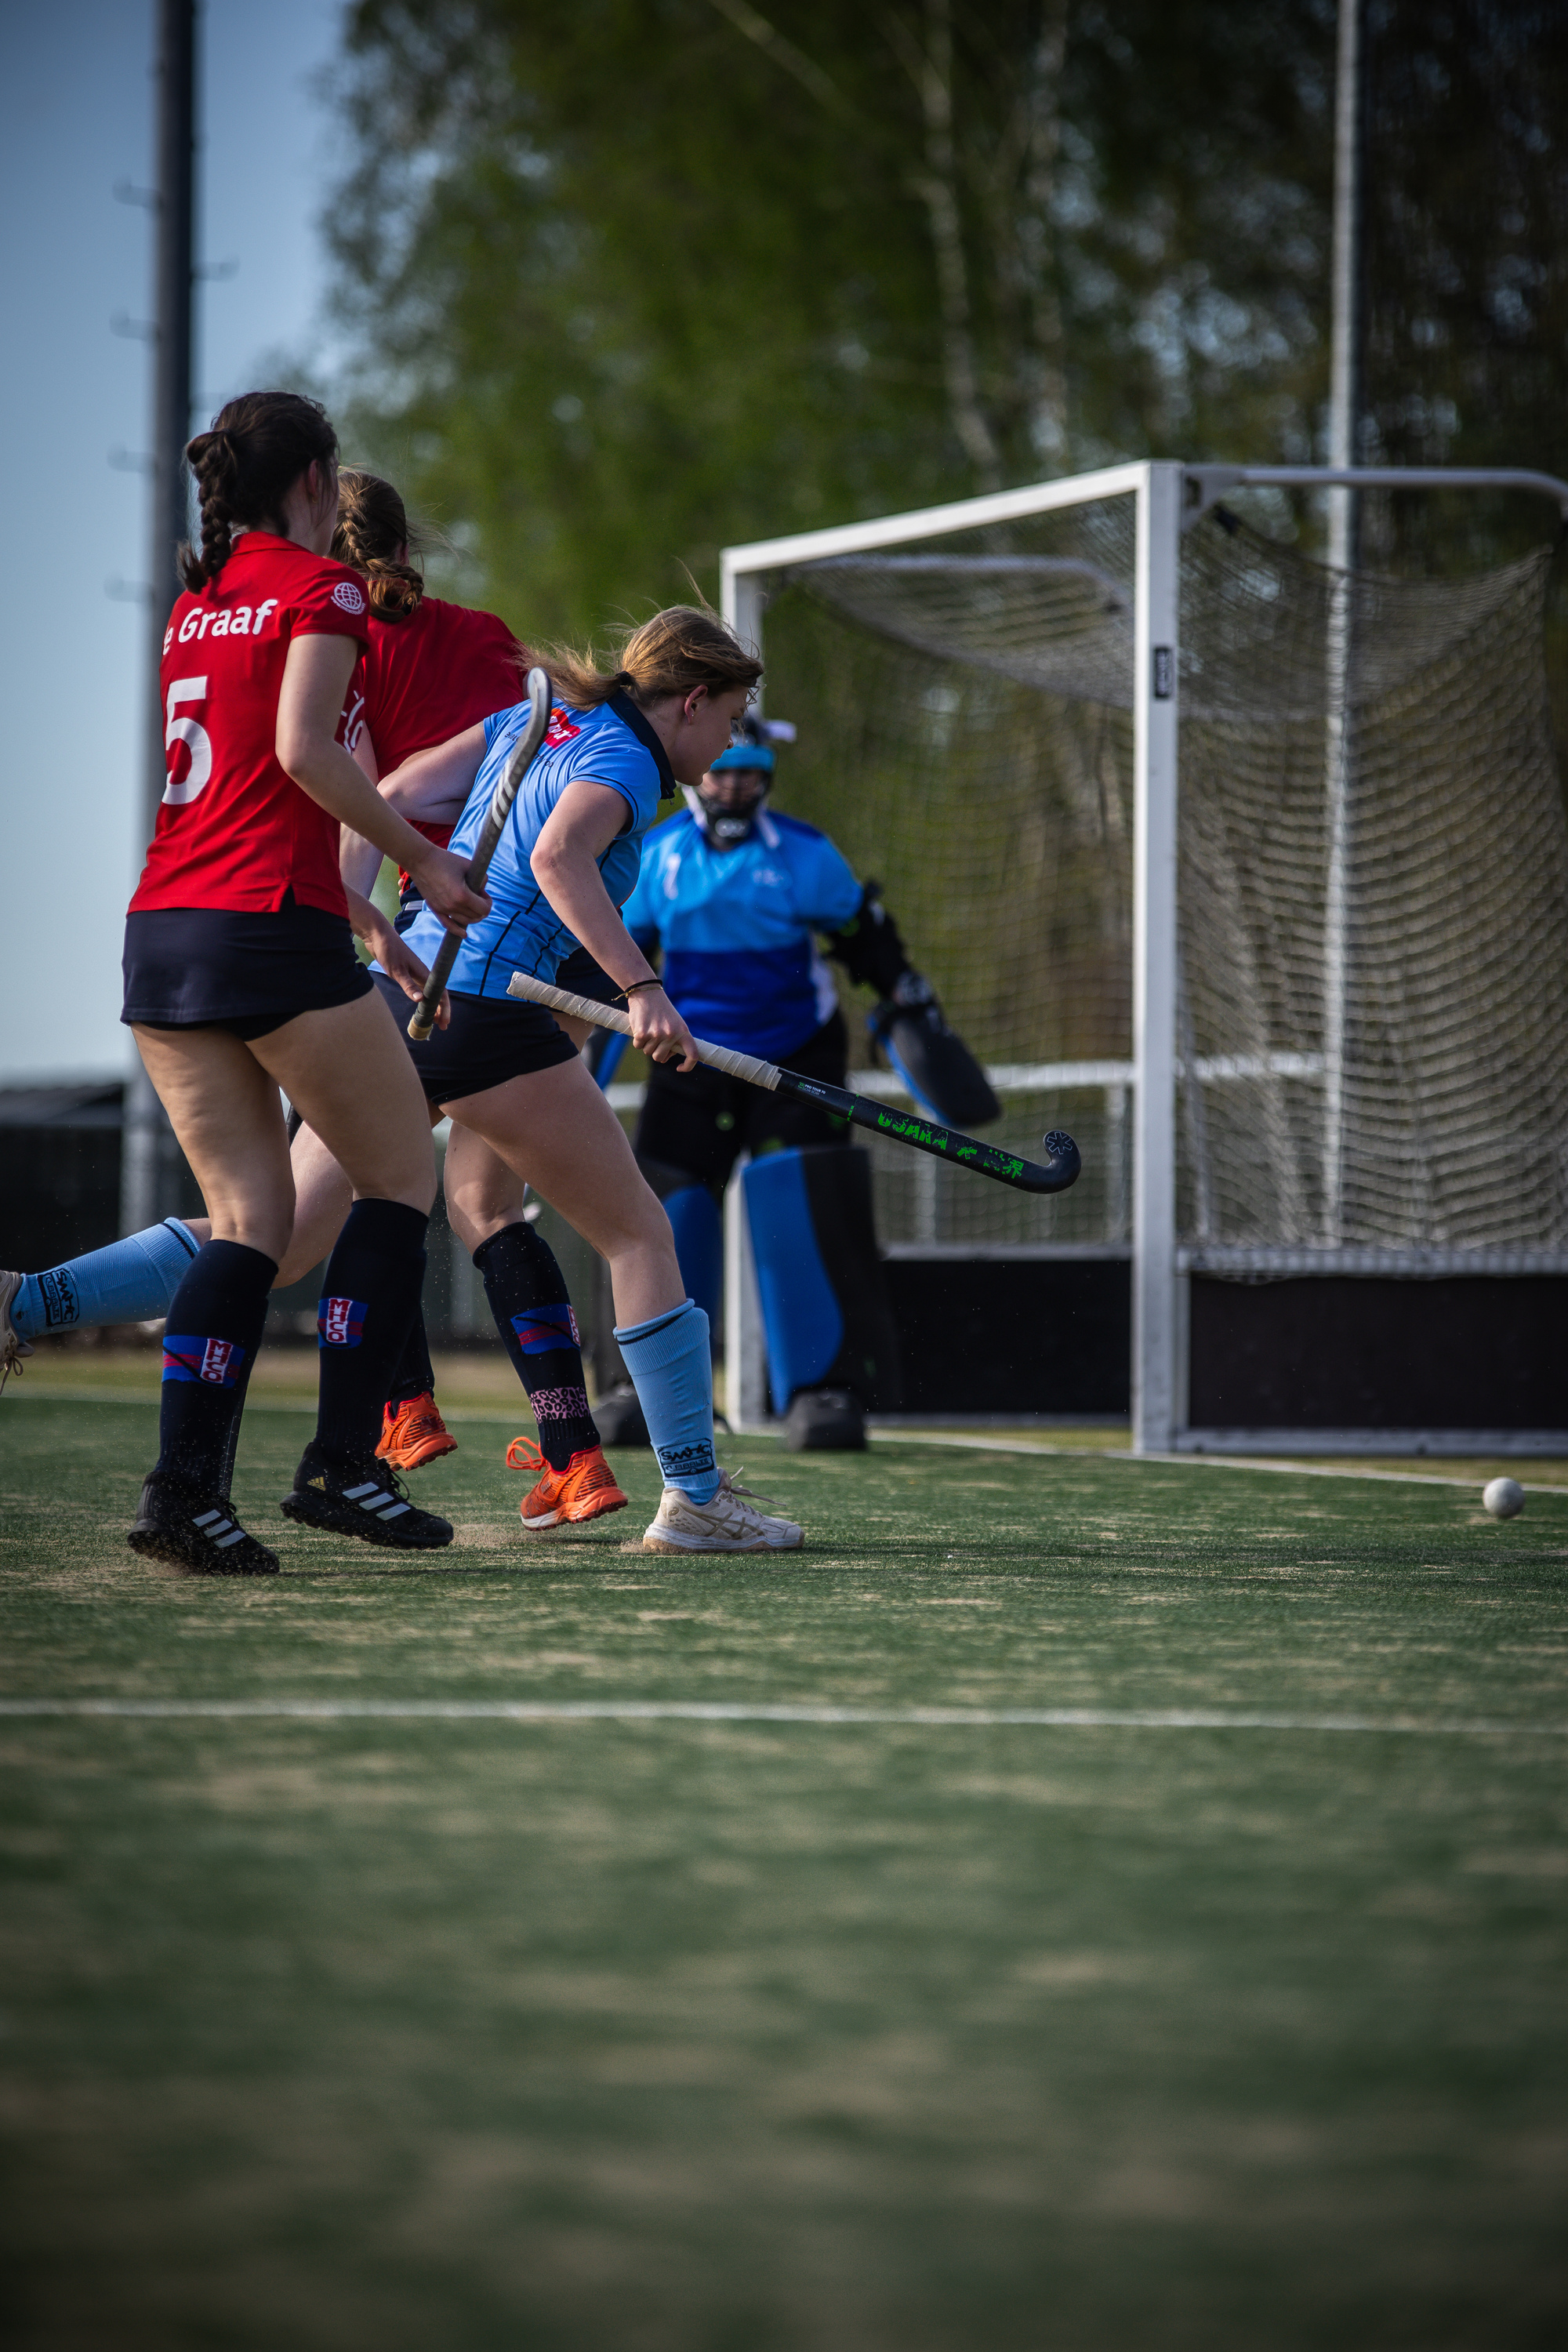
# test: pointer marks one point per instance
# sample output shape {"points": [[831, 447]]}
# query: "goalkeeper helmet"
{"points": [[725, 803]]}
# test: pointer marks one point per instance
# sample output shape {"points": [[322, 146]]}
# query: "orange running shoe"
{"points": [[413, 1433], [585, 1489]]}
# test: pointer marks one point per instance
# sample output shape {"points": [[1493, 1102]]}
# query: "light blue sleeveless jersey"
{"points": [[613, 745], [736, 925]]}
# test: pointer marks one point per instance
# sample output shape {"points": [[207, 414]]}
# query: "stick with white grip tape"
{"points": [[1054, 1174], [423, 1019]]}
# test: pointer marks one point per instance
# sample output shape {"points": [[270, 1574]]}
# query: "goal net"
{"points": [[1373, 880]]}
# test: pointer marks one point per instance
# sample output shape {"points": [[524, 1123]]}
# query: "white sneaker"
{"points": [[731, 1522], [12, 1347]]}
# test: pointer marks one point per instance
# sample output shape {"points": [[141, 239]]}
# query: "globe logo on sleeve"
{"points": [[348, 596]]}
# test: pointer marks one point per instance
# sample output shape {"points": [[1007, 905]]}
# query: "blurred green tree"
{"points": [[633, 277]]}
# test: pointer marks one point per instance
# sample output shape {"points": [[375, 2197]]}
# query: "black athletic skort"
{"points": [[213, 968], [696, 1123], [488, 1040]]}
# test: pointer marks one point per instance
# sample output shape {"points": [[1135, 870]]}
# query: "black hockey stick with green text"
{"points": [[1053, 1174]]}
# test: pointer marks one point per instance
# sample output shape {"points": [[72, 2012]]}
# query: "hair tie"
{"points": [[623, 681]]}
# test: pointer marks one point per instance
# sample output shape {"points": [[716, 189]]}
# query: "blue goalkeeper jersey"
{"points": [[736, 925], [613, 745]]}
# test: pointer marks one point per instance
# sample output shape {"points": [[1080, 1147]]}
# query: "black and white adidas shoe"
{"points": [[364, 1499], [189, 1527]]}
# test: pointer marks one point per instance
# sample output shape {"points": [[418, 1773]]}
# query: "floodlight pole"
{"points": [[1158, 1407], [147, 1146]]}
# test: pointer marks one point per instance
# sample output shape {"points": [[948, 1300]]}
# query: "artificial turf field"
{"points": [[680, 2035]]}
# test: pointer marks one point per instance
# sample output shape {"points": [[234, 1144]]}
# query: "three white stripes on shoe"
{"points": [[375, 1500], [224, 1533]]}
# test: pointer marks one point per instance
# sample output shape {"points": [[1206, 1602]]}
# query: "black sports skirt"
{"points": [[210, 967], [488, 1040]]}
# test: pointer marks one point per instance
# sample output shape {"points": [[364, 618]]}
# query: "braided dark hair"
{"points": [[257, 447], [372, 524]]}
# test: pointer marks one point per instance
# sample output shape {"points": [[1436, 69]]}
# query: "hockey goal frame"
{"points": [[1170, 497]]}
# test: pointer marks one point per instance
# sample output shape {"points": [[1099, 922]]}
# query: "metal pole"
{"points": [[1347, 352], [1156, 1321], [1346, 393], [745, 1337], [146, 1144]]}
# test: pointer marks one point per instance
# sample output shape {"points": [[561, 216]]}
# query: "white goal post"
{"points": [[1168, 499]]}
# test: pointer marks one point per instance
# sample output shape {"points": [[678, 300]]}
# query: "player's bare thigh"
{"points": [[554, 1129], [225, 1111], [349, 1074]]}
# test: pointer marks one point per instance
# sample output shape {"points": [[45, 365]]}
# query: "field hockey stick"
{"points": [[1054, 1174], [423, 1019]]}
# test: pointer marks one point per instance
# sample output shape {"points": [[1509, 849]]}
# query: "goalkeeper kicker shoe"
{"points": [[363, 1499], [12, 1347], [186, 1527], [731, 1522], [585, 1489], [413, 1433]]}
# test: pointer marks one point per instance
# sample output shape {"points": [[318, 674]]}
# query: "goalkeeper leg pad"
{"points": [[694, 1219], [824, 1298]]}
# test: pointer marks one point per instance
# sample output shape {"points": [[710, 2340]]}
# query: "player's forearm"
{"points": [[333, 781], [359, 862], [366, 921], [571, 880], [434, 785]]}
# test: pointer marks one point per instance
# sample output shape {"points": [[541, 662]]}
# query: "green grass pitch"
{"points": [[663, 2035]]}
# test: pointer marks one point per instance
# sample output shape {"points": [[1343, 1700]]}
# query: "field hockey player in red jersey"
{"points": [[429, 669], [240, 980]]}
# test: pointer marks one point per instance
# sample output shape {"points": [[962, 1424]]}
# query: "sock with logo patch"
{"points": [[672, 1371], [533, 1315], [214, 1328], [370, 1296], [132, 1281], [414, 1374]]}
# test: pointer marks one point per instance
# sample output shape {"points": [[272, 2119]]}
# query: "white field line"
{"points": [[1187, 1461], [1121, 1455], [1066, 1718]]}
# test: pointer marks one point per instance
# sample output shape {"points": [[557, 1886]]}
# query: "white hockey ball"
{"points": [[1504, 1497]]}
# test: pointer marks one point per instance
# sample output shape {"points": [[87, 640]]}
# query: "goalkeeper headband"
{"points": [[744, 755]]}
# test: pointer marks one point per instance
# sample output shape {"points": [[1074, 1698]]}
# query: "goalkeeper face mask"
{"points": [[726, 801]]}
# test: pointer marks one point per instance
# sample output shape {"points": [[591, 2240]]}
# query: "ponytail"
{"points": [[256, 449], [372, 525], [679, 649]]}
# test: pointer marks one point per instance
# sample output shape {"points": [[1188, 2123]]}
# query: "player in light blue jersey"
{"points": [[502, 1069], [735, 895]]}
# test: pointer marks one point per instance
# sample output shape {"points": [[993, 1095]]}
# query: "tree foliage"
{"points": [[633, 278]]}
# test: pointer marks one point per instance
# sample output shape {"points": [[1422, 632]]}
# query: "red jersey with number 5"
{"points": [[234, 830]]}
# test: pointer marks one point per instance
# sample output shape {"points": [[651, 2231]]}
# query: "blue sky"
{"points": [[76, 116]]}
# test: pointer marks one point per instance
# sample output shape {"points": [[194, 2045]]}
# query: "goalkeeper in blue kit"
{"points": [[736, 895]]}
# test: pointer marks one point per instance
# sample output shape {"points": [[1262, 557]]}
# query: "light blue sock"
{"points": [[131, 1281], [672, 1371]]}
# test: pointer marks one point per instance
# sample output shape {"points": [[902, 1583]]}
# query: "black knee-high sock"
{"points": [[231, 1442], [533, 1315], [369, 1297], [414, 1374], [210, 1338]]}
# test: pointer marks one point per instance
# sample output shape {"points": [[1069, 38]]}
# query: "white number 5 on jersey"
{"points": [[188, 731]]}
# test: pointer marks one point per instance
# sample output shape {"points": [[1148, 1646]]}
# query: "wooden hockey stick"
{"points": [[1054, 1174], [423, 1018]]}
